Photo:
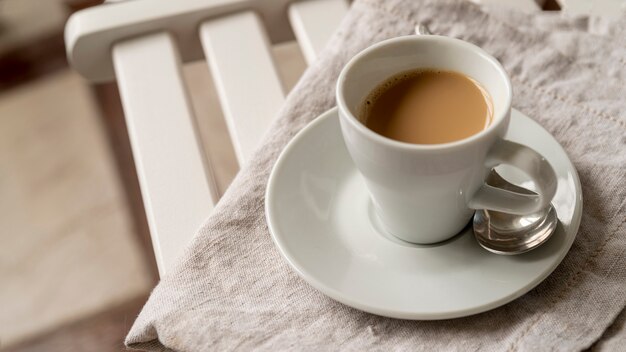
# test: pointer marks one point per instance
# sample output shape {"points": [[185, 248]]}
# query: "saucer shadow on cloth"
{"points": [[321, 219]]}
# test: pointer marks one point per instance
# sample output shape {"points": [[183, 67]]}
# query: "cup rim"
{"points": [[497, 119]]}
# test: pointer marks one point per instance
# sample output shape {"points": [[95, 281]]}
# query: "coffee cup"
{"points": [[427, 193]]}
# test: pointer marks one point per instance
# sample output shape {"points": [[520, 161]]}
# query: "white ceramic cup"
{"points": [[426, 193]]}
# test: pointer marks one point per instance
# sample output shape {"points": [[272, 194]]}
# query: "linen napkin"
{"points": [[231, 290]]}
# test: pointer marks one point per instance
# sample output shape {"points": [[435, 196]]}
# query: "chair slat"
{"points": [[576, 7], [596, 7], [238, 54], [313, 23], [523, 5], [176, 183]]}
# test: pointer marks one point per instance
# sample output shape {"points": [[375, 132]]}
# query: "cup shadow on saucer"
{"points": [[380, 230]]}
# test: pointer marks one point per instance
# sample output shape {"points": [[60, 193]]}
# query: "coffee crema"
{"points": [[427, 106]]}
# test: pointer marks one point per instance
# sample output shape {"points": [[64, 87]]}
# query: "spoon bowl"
{"points": [[509, 234]]}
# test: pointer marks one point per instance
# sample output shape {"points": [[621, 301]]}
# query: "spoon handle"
{"points": [[422, 29]]}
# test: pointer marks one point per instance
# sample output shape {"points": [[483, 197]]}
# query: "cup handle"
{"points": [[533, 165]]}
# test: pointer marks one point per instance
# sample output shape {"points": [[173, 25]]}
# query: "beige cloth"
{"points": [[231, 290]]}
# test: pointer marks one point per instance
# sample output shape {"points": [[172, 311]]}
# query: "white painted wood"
{"points": [[238, 54], [523, 5], [313, 23], [574, 7], [178, 193], [609, 8], [91, 33]]}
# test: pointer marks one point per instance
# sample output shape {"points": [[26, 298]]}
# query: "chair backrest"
{"points": [[142, 44]]}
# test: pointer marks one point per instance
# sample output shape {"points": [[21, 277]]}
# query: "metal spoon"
{"points": [[422, 29], [503, 233], [509, 234]]}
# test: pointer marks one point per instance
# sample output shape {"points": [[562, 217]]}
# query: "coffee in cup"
{"points": [[427, 106]]}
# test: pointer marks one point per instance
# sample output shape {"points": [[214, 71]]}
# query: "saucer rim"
{"points": [[270, 215]]}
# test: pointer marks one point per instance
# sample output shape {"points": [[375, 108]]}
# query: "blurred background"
{"points": [[76, 261]]}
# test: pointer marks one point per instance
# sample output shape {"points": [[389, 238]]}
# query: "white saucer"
{"points": [[322, 221]]}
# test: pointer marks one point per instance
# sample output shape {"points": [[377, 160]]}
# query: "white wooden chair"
{"points": [[142, 44]]}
